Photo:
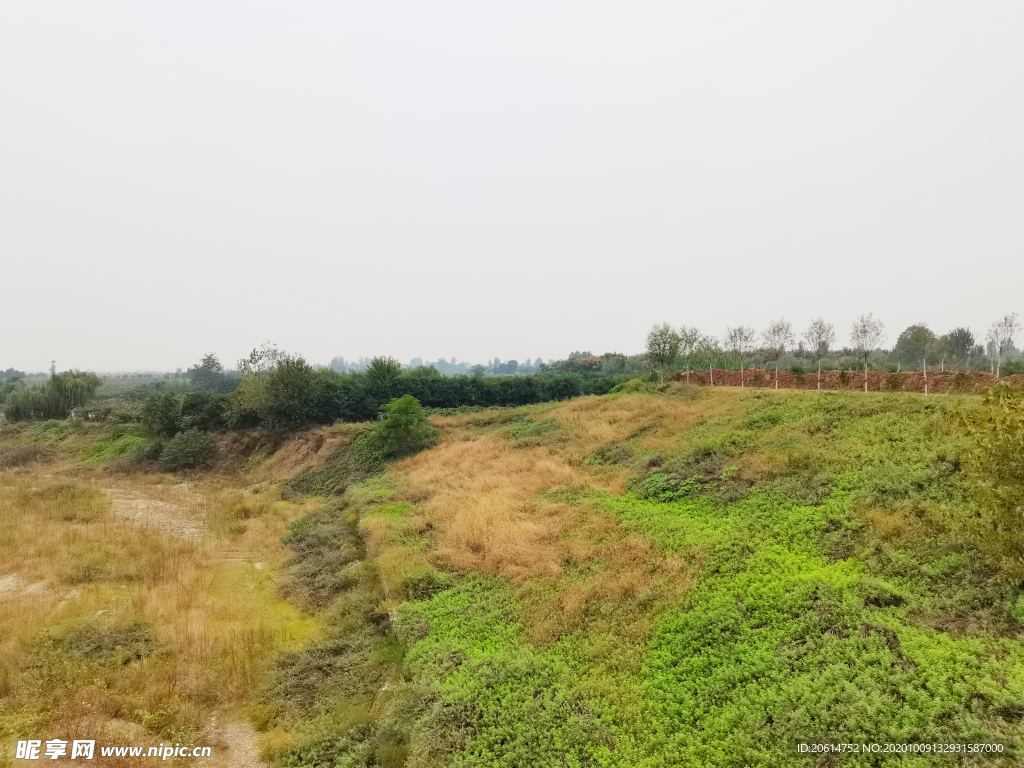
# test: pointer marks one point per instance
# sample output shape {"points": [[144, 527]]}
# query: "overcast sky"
{"points": [[498, 179]]}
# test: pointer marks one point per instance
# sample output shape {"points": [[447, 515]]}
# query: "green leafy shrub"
{"points": [[187, 450], [331, 478], [666, 488], [405, 429], [1017, 609]]}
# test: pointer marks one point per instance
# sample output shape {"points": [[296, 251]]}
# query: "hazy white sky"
{"points": [[498, 179]]}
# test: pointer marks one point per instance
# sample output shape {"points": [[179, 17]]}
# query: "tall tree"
{"points": [[777, 337], [820, 336], [960, 344], [866, 334], [208, 374], [1001, 335], [382, 374], [741, 340], [915, 344], [662, 348]]}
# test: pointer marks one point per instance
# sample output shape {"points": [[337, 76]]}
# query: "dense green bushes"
{"points": [[187, 450], [169, 413]]}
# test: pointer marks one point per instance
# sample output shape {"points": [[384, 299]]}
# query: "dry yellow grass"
{"points": [[482, 507], [482, 492], [193, 562]]}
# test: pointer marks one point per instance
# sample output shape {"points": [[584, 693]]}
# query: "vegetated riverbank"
{"points": [[696, 577], [662, 576]]}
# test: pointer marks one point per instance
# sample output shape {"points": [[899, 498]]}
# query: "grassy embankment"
{"points": [[698, 578]]}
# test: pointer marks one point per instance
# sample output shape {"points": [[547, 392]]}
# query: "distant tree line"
{"points": [[778, 346], [494, 367]]}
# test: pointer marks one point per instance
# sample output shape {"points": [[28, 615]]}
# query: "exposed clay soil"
{"points": [[877, 381]]}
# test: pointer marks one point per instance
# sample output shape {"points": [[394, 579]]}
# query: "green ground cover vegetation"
{"points": [[863, 589]]}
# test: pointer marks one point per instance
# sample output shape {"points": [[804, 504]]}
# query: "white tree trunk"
{"points": [[819, 375], [924, 367], [865, 376], [711, 373], [776, 375]]}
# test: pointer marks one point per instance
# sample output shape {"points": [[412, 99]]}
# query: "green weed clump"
{"points": [[530, 434], [325, 544], [112, 645], [126, 441]]}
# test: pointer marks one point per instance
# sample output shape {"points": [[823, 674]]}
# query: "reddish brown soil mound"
{"points": [[877, 381]]}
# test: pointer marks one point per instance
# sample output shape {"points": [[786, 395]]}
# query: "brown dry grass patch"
{"points": [[895, 527], [483, 511], [482, 493]]}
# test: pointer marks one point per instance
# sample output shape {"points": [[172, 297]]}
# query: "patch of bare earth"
{"points": [[170, 517], [234, 745], [13, 584]]}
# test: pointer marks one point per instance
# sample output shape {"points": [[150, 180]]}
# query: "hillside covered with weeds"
{"points": [[663, 576]]}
